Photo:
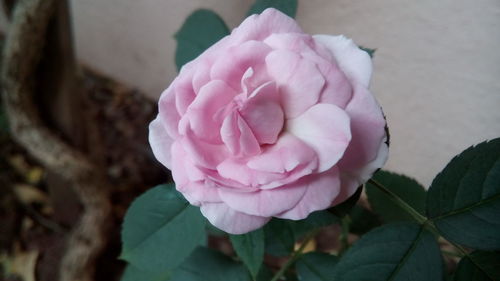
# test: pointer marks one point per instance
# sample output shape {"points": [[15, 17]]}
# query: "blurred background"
{"points": [[105, 63], [436, 68]]}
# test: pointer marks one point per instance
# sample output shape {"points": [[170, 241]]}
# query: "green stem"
{"points": [[416, 215], [344, 234], [296, 254], [396, 199], [451, 254]]}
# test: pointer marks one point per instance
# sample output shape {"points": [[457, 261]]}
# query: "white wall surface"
{"points": [[437, 65]]}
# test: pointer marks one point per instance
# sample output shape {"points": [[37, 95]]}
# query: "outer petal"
{"points": [[190, 179], [160, 142], [229, 220], [168, 113], [258, 27], [198, 193], [322, 189], [367, 151], [324, 127], [184, 93], [354, 62], [265, 203]]}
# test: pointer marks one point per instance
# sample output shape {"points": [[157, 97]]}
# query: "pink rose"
{"points": [[270, 122]]}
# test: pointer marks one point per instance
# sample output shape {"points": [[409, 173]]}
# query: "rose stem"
{"points": [[344, 235], [296, 254], [414, 213]]}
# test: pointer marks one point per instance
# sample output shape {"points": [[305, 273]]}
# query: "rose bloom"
{"points": [[270, 122]]}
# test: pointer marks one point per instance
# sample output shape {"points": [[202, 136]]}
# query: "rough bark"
{"points": [[22, 53]]}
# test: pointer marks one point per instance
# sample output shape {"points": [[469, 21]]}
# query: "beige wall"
{"points": [[437, 67]]}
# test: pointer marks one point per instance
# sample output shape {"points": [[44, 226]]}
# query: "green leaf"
{"points": [[362, 220], [316, 266], [464, 199], [132, 273], [370, 52], [314, 220], [279, 237], [265, 274], [345, 207], [205, 264], [200, 30], [250, 249], [400, 251], [160, 230], [479, 266], [288, 7], [406, 188]]}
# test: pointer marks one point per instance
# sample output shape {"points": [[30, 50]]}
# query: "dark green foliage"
{"points": [[464, 199], [205, 264], [132, 273], [362, 220], [314, 220], [406, 188], [402, 251], [279, 237], [316, 267], [345, 207], [200, 30], [479, 266], [288, 7], [250, 249], [160, 230], [370, 52]]}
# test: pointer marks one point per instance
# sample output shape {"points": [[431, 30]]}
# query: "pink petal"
{"points": [[263, 114], [231, 66], [229, 220], [354, 62], [168, 113], [367, 151], [263, 203], [258, 27], [238, 171], [198, 193], [325, 128], [248, 143], [184, 93], [295, 42], [201, 75], [286, 161], [203, 153], [349, 185], [189, 179], [322, 189], [160, 142], [212, 97], [338, 90], [284, 156], [299, 80], [238, 137], [230, 133]]}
